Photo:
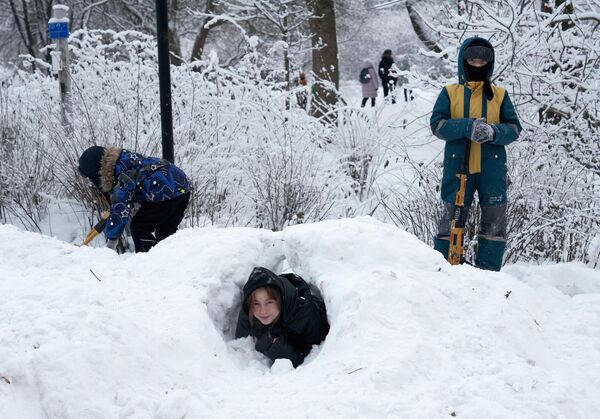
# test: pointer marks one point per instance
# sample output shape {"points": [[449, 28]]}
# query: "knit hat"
{"points": [[478, 49], [89, 163]]}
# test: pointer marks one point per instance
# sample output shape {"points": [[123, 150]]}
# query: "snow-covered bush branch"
{"points": [[253, 159]]}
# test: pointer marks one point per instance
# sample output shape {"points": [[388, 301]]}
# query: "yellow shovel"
{"points": [[97, 229]]}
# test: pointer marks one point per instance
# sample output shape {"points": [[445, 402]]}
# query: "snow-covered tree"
{"points": [[282, 24]]}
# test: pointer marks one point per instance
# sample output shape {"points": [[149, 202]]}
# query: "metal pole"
{"points": [[58, 30], [164, 75]]}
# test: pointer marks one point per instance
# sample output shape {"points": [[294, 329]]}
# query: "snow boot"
{"points": [[489, 254]]}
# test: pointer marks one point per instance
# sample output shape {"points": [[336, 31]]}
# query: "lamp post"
{"points": [[164, 76]]}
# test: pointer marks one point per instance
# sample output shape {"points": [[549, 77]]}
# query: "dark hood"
{"points": [[387, 60], [261, 277], [462, 75]]}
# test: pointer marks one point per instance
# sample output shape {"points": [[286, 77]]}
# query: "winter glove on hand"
{"points": [[482, 132], [281, 348], [264, 342], [112, 244], [275, 331]]}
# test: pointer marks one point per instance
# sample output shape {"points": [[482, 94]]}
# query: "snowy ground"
{"points": [[86, 333], [408, 121]]}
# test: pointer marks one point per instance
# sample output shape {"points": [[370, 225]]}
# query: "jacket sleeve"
{"points": [[243, 324], [443, 125], [382, 72], [281, 348], [509, 127], [374, 79], [310, 322], [121, 199], [273, 343]]}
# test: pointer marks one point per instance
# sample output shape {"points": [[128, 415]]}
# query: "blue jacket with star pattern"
{"points": [[129, 178]]}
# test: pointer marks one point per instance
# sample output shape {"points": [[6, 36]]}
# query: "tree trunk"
{"points": [[326, 73], [173, 35], [202, 36], [421, 29], [200, 41], [174, 47], [23, 26]]}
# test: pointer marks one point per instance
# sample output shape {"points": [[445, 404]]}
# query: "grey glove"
{"points": [[112, 244], [482, 132]]}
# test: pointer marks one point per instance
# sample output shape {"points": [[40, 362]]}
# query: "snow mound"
{"points": [[86, 333]]}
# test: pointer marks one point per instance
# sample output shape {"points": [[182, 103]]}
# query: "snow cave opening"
{"points": [[224, 303]]}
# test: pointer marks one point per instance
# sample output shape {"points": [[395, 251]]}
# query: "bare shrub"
{"points": [[287, 179], [416, 207]]}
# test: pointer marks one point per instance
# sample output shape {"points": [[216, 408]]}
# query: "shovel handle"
{"points": [[97, 229]]}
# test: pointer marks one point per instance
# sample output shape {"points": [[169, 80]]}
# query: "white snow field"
{"points": [[86, 333]]}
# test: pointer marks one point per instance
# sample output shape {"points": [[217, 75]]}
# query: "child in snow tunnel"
{"points": [[282, 314], [476, 113], [160, 188]]}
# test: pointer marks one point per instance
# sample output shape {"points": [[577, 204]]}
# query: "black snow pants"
{"points": [[156, 221]]}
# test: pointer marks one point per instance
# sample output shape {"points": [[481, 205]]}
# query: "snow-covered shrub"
{"points": [[26, 168], [286, 179], [252, 159], [416, 207]]}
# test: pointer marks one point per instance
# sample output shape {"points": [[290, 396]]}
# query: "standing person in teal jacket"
{"points": [[475, 110]]}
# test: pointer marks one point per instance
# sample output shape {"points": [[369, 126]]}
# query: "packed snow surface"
{"points": [[87, 333]]}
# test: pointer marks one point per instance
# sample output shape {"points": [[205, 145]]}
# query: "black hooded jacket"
{"points": [[302, 321], [384, 69]]}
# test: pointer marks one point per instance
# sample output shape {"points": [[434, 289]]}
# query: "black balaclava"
{"points": [[479, 50], [476, 73]]}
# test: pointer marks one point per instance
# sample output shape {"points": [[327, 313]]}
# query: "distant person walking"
{"points": [[302, 93], [403, 65], [369, 83], [388, 81]]}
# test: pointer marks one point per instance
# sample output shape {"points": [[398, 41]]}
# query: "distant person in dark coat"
{"points": [[388, 81], [160, 188], [369, 84], [282, 314]]}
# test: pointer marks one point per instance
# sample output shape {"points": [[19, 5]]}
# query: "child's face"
{"points": [[476, 62], [264, 308]]}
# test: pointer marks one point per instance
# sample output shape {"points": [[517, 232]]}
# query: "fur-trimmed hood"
{"points": [[107, 167]]}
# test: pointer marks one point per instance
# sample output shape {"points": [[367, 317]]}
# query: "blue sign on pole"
{"points": [[58, 30]]}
